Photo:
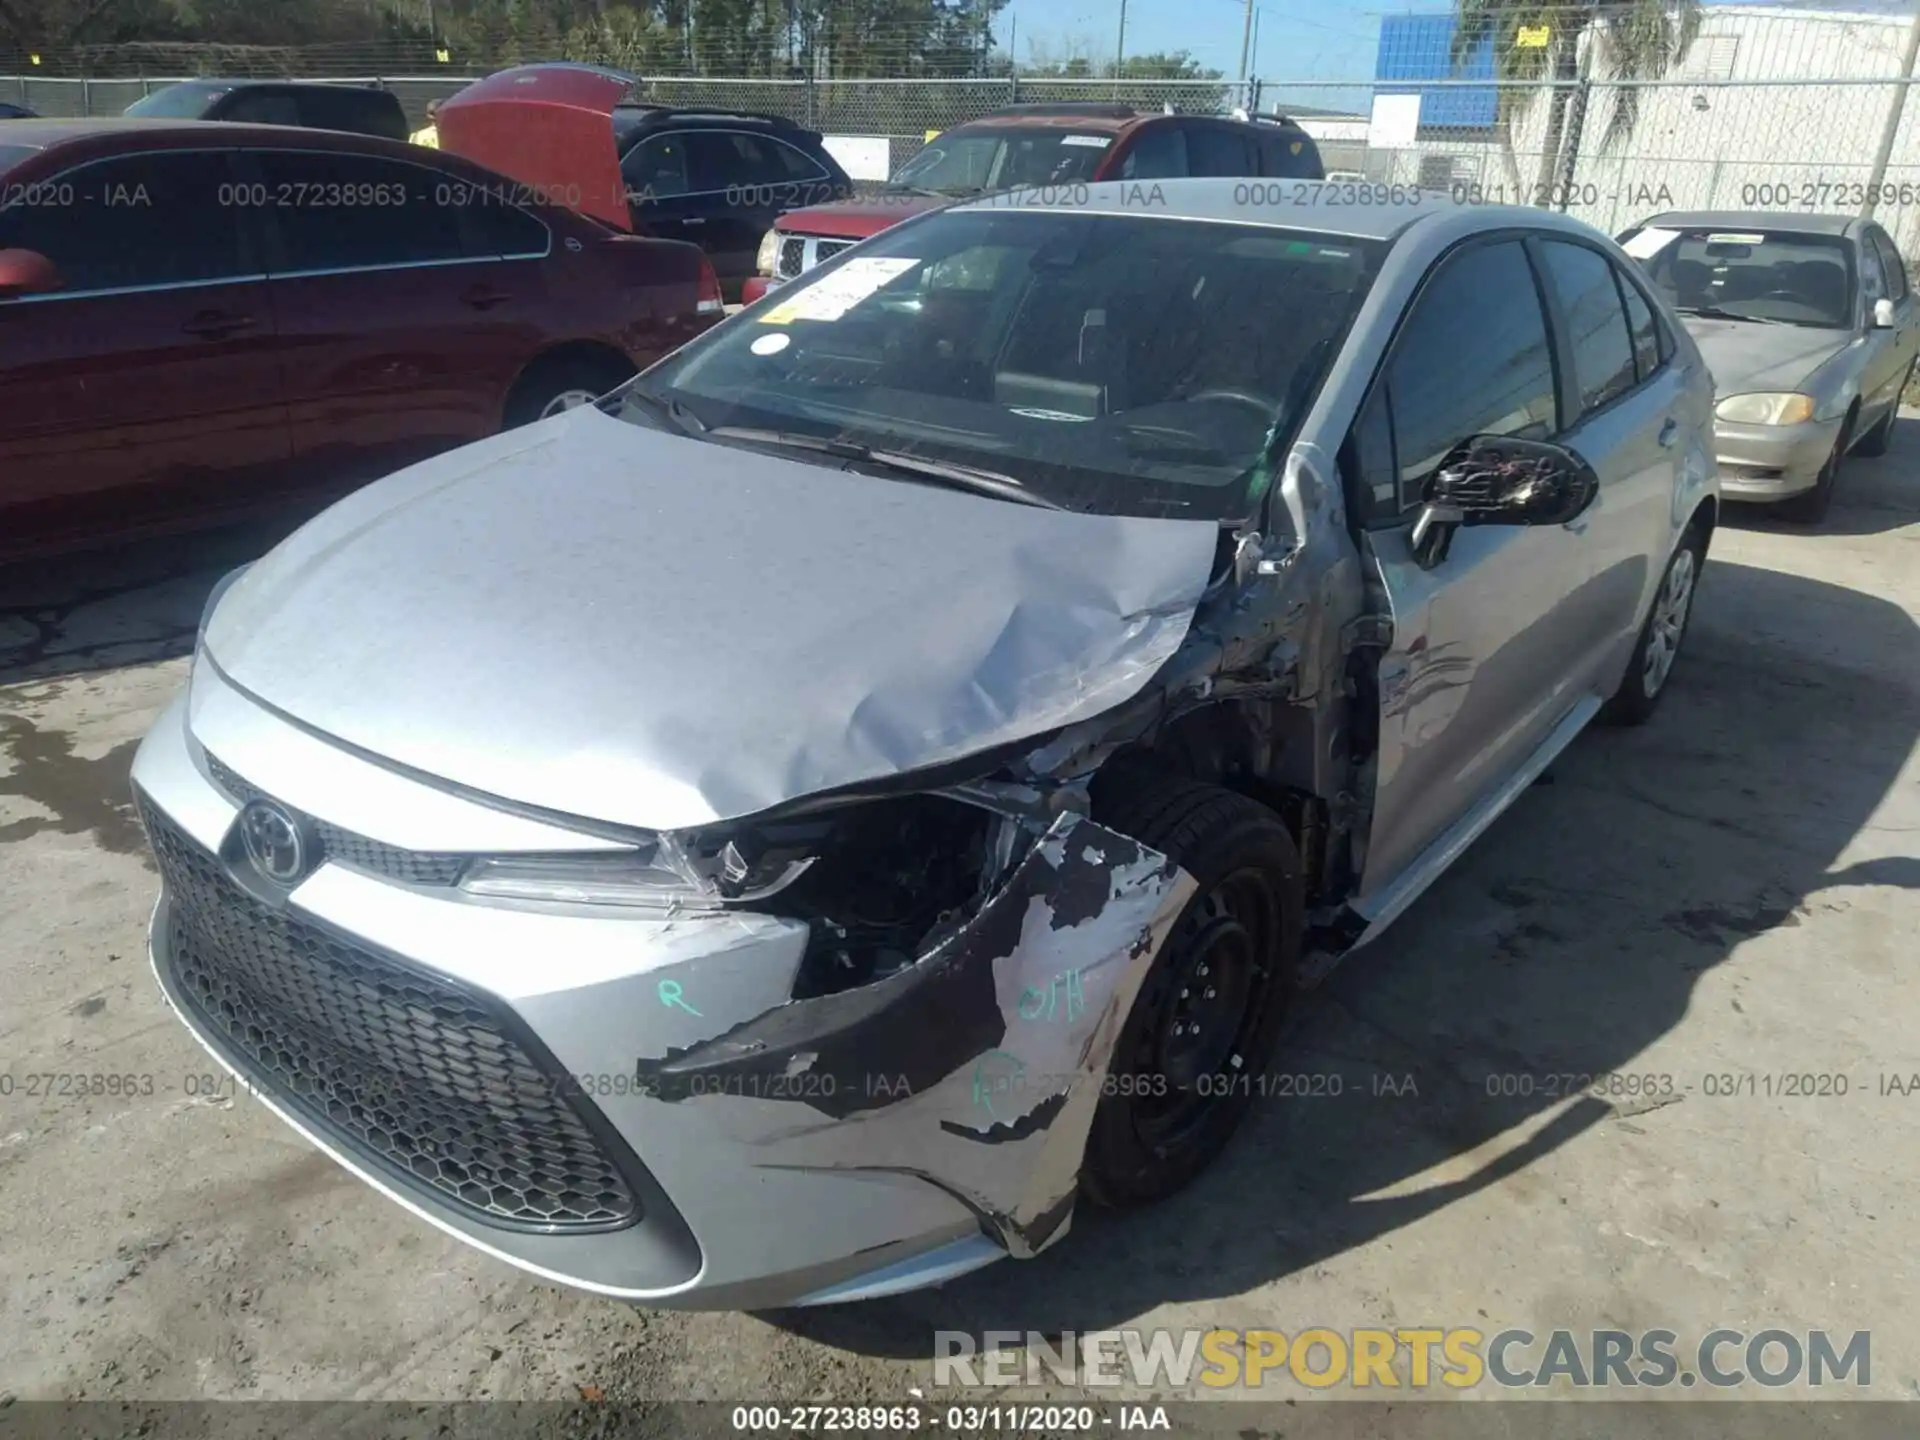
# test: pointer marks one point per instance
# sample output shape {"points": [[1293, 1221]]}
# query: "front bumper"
{"points": [[1772, 462], [631, 1105]]}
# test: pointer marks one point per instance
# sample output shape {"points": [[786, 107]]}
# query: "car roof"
{"points": [[1103, 120], [96, 134], [1277, 204], [642, 116], [1776, 220], [211, 84]]}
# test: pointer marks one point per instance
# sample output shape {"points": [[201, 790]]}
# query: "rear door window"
{"points": [[1645, 328], [1158, 152], [1289, 154], [656, 168], [339, 211], [143, 221], [729, 159], [352, 110], [1221, 150], [1602, 343], [260, 107]]}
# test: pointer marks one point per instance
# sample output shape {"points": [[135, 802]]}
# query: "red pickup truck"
{"points": [[1024, 145]]}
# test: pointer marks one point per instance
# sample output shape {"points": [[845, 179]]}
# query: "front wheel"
{"points": [[1810, 506], [1875, 441], [553, 387], [1658, 648], [1201, 1032]]}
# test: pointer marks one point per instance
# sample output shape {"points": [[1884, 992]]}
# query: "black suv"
{"points": [[719, 179], [358, 109]]}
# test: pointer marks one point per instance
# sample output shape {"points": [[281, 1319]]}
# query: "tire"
{"points": [[1647, 679], [1242, 931], [1875, 442], [549, 383], [1810, 507]]}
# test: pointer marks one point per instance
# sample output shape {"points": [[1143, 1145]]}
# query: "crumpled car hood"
{"points": [[1746, 357], [629, 626]]}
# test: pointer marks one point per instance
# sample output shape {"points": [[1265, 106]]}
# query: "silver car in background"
{"points": [[1811, 330], [788, 831]]}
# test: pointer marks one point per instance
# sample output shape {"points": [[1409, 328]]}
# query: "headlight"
{"points": [[671, 875], [1766, 409], [769, 255], [221, 586]]}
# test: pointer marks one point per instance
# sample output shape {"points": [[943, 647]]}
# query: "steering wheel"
{"points": [[1267, 407]]}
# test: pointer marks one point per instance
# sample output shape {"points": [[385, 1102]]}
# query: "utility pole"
{"points": [[1892, 129], [1120, 50], [1246, 45]]}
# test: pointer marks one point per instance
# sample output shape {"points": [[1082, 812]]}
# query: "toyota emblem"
{"points": [[274, 841]]}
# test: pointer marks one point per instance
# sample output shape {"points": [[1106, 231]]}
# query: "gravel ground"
{"points": [[1732, 890]]}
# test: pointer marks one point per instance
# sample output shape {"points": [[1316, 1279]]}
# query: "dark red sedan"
{"points": [[199, 320]]}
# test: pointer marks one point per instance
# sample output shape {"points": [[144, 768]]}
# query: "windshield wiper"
{"points": [[672, 411], [1714, 312], [959, 477]]}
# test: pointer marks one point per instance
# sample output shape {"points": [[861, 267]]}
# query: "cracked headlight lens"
{"points": [[1766, 408], [670, 876]]}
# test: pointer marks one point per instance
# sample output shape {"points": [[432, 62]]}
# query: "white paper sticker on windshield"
{"points": [[770, 344], [1650, 242], [1092, 142], [1732, 239], [833, 296]]}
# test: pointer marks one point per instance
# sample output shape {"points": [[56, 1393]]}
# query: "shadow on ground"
{"points": [[128, 605], [1565, 943]]}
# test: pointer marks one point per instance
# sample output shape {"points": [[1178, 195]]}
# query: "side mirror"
{"points": [[26, 272], [1498, 480], [1883, 316]]}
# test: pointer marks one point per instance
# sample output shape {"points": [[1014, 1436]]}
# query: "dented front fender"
{"points": [[976, 1069]]}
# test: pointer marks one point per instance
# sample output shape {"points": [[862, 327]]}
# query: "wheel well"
{"points": [[1706, 515], [1242, 747], [593, 352]]}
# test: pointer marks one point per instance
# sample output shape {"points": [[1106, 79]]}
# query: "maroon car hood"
{"points": [[549, 127], [857, 219]]}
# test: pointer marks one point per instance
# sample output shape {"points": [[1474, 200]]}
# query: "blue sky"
{"points": [[1298, 39]]}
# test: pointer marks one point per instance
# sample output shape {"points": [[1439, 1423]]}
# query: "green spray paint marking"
{"points": [[669, 993], [986, 1083]]}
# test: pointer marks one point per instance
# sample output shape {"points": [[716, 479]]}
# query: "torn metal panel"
{"points": [[978, 1068], [702, 632]]}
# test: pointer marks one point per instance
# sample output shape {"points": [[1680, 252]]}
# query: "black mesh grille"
{"points": [[792, 256], [827, 249], [413, 867], [422, 1077]]}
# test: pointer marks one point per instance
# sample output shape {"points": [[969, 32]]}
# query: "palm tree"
{"points": [[1632, 41]]}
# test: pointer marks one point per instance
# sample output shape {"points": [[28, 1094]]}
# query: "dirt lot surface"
{"points": [[1724, 898]]}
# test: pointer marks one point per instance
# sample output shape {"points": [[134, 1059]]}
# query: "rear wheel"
{"points": [[1659, 644], [554, 386], [1810, 507], [1202, 1028]]}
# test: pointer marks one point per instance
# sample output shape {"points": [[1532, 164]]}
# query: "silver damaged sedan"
{"points": [[789, 831]]}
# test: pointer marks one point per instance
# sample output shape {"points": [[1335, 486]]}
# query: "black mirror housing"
{"points": [[1500, 480]]}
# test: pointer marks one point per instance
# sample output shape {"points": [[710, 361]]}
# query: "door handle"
{"points": [[1669, 431], [213, 324], [485, 297], [694, 220]]}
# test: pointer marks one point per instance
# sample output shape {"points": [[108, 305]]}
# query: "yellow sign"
{"points": [[932, 135], [1533, 37], [34, 58], [443, 55]]}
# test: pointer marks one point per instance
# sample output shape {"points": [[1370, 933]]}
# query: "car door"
{"points": [[660, 188], [147, 389], [1629, 417], [1483, 664], [740, 183], [403, 330], [1901, 344]]}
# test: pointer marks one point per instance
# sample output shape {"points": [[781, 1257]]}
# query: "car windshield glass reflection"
{"points": [[975, 160], [176, 102], [1126, 364], [1779, 277]]}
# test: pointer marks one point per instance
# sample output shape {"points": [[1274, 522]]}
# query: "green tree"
{"points": [[1620, 42]]}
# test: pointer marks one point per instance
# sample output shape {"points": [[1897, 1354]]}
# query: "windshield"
{"points": [[12, 155], [1124, 364], [1781, 276], [964, 162], [176, 102]]}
